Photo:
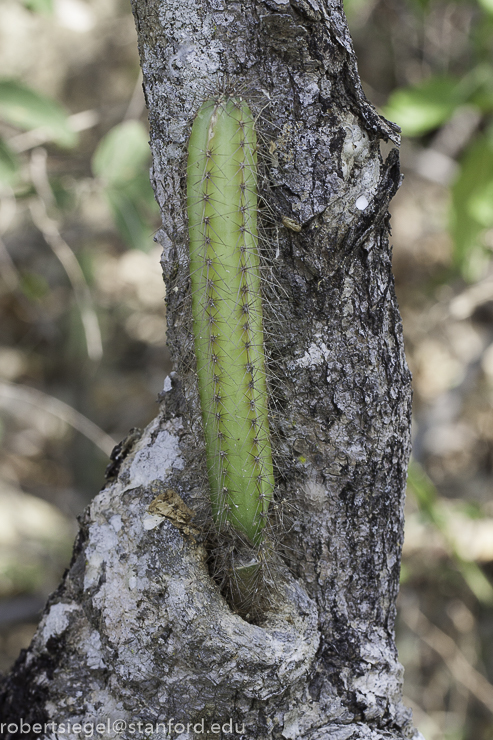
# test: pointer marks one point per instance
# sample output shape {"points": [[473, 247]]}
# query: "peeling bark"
{"points": [[138, 630]]}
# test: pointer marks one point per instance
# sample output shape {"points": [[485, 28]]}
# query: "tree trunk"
{"points": [[138, 630]]}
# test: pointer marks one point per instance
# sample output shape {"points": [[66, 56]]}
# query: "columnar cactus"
{"points": [[227, 314]]}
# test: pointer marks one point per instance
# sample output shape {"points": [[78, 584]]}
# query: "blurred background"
{"points": [[82, 340]]}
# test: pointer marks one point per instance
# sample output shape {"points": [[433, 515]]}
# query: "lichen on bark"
{"points": [[138, 628]]}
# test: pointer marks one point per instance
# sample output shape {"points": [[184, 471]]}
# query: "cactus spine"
{"points": [[227, 315]]}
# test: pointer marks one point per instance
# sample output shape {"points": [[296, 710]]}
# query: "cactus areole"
{"points": [[227, 314]]}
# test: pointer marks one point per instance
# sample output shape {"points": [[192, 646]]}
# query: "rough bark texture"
{"points": [[138, 630]]}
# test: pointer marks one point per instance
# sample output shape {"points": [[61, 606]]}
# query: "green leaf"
{"points": [[425, 106], [121, 161], [432, 509], [487, 5], [481, 206], [472, 201], [122, 153], [480, 79], [9, 165], [44, 7], [477, 581], [26, 109], [129, 218], [425, 494]]}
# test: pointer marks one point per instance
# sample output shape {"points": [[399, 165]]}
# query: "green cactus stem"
{"points": [[227, 314]]}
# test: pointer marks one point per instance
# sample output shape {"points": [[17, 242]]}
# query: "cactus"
{"points": [[227, 317]]}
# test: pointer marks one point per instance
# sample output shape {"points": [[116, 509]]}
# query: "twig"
{"points": [[51, 233], [61, 410]]}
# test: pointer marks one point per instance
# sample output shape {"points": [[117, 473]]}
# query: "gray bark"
{"points": [[138, 630]]}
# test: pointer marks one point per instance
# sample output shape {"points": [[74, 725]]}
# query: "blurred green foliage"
{"points": [[471, 213], [44, 7], [433, 511], [34, 286], [425, 106], [449, 80], [27, 109], [421, 109], [121, 162], [9, 164]]}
